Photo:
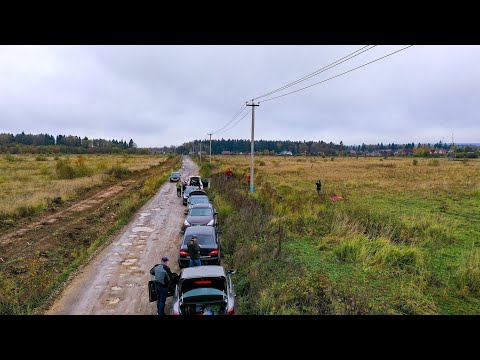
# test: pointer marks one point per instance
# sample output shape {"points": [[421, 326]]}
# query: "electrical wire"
{"points": [[333, 77], [231, 127], [319, 71]]}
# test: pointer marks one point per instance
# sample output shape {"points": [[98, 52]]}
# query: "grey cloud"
{"points": [[165, 95]]}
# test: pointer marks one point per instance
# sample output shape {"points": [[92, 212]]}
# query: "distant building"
{"points": [[226, 152], [438, 152]]}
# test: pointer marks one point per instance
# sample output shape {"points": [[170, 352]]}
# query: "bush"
{"points": [[434, 162], [81, 168], [261, 163], [468, 275], [10, 158], [118, 172], [415, 161], [206, 170], [41, 158], [64, 169]]}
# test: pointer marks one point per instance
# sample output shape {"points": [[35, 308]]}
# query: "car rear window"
{"points": [[202, 239], [189, 189], [200, 212], [212, 283], [195, 199]]}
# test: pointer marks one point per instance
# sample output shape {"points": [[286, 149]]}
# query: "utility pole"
{"points": [[252, 164], [210, 146], [200, 150]]}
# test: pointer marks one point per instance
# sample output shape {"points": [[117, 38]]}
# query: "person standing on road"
{"points": [[194, 250], [319, 186], [163, 278], [179, 188]]}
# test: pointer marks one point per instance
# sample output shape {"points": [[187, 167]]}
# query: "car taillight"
{"points": [[203, 282], [184, 253], [231, 311], [213, 252]]}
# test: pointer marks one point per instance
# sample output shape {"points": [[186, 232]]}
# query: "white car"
{"points": [[195, 181]]}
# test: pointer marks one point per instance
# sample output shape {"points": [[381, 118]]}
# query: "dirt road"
{"points": [[115, 281]]}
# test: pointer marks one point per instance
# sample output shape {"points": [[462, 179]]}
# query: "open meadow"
{"points": [[405, 239], [30, 183], [56, 214]]}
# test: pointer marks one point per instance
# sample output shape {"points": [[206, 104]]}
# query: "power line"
{"points": [[231, 127], [323, 69], [244, 106], [333, 77]]}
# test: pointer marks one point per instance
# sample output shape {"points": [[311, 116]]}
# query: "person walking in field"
{"points": [[228, 173], [319, 187]]}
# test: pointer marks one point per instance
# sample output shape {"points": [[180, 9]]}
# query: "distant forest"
{"points": [[45, 143], [49, 144], [296, 147]]}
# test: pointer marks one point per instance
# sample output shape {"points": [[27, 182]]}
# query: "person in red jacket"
{"points": [[228, 173]]}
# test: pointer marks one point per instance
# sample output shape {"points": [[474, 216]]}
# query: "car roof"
{"points": [[203, 271], [195, 230], [196, 206], [200, 192], [194, 176]]}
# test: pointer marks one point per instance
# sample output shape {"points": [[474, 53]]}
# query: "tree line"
{"points": [[46, 143], [296, 147]]}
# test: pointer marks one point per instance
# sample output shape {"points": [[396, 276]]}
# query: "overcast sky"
{"points": [[167, 95]]}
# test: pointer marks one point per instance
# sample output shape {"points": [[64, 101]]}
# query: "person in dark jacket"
{"points": [[194, 251], [179, 188], [319, 186], [161, 288]]}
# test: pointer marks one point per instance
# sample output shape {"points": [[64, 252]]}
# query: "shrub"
{"points": [[415, 162], [468, 275], [40, 158], [261, 163], [64, 169], [118, 171], [206, 170], [434, 162], [410, 298], [81, 168], [10, 158]]}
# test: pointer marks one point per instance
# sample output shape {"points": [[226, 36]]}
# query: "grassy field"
{"points": [[29, 183], [39, 249], [406, 239]]}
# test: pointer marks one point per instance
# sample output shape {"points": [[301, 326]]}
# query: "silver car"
{"points": [[174, 176], [204, 290]]}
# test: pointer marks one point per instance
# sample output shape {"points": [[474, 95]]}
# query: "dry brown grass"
{"points": [[26, 182], [364, 175], [400, 223]]}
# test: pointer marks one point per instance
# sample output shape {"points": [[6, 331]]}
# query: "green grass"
{"points": [[405, 240]]}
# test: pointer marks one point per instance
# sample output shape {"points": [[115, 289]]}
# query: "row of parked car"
{"points": [[207, 289]]}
